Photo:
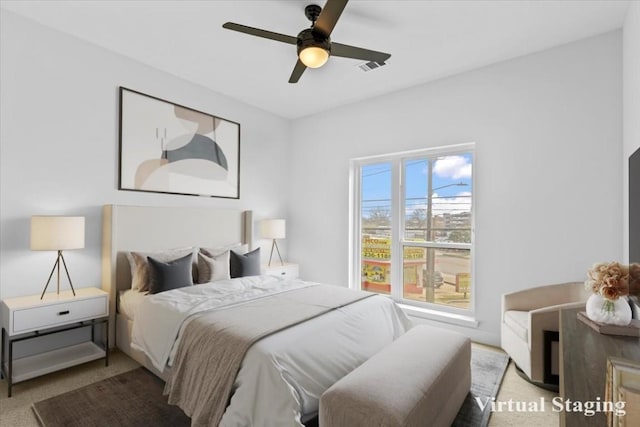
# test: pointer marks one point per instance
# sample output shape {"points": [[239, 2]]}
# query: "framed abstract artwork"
{"points": [[169, 148]]}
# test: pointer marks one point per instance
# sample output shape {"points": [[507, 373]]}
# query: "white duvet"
{"points": [[283, 375]]}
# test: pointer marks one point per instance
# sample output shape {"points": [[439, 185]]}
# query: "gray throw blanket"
{"points": [[214, 344]]}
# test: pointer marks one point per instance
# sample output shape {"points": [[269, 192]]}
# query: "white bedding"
{"points": [[282, 375], [159, 317]]}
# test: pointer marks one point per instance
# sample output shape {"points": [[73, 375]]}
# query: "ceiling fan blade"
{"points": [[260, 33], [297, 72], [329, 16], [346, 51]]}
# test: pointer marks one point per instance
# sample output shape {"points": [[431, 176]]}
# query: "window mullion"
{"points": [[397, 221], [444, 245], [355, 236]]}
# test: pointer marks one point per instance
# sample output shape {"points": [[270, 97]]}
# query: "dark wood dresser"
{"points": [[583, 370]]}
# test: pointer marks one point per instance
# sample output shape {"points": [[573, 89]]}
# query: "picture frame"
{"points": [[623, 385], [168, 148]]}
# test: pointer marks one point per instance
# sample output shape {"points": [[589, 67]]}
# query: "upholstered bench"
{"points": [[421, 379]]}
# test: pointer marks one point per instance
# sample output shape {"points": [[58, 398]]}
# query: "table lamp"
{"points": [[57, 233], [273, 229]]}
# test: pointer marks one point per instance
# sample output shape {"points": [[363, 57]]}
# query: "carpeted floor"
{"points": [[135, 398]]}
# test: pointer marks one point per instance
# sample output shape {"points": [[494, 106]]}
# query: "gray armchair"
{"points": [[527, 314]]}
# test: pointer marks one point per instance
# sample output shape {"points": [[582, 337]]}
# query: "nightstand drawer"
{"points": [[289, 270], [50, 315]]}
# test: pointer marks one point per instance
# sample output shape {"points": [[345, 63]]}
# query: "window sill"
{"points": [[440, 316]]}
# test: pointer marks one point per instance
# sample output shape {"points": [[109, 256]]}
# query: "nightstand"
{"points": [[288, 270], [26, 318]]}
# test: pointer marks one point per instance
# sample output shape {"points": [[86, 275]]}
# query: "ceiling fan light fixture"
{"points": [[313, 44], [314, 56], [314, 48]]}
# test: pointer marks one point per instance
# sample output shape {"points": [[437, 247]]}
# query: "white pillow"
{"points": [[212, 268]]}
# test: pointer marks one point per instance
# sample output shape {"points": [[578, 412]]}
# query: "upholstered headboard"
{"points": [[143, 228]]}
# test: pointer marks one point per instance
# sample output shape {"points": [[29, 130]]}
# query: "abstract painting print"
{"points": [[168, 148]]}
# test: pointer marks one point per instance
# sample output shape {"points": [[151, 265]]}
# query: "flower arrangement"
{"points": [[609, 279], [611, 283]]}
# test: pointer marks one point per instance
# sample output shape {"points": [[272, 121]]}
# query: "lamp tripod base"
{"points": [[275, 245], [56, 265]]}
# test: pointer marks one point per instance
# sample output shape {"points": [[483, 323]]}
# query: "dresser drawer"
{"points": [[51, 315]]}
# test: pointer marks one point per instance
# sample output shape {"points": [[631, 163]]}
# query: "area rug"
{"points": [[131, 399], [487, 370], [135, 399]]}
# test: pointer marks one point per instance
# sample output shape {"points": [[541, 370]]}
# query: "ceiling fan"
{"points": [[314, 43]]}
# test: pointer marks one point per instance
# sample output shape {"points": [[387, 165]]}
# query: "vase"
{"points": [[610, 312]]}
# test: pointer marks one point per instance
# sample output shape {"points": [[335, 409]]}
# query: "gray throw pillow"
{"points": [[170, 275], [245, 265], [140, 271]]}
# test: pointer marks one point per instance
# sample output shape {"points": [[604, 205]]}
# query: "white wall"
{"points": [[59, 146], [547, 128], [547, 190], [631, 102]]}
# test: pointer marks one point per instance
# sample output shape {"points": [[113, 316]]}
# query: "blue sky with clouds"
{"points": [[447, 171]]}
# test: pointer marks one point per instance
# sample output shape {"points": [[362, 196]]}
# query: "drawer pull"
{"points": [[283, 273], [62, 313]]}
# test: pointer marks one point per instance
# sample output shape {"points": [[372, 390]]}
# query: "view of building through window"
{"points": [[434, 233]]}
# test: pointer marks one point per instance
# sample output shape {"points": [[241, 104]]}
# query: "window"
{"points": [[413, 227]]}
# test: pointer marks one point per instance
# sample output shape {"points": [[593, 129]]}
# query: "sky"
{"points": [[447, 170]]}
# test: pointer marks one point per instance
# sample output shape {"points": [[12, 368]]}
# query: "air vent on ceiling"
{"points": [[371, 65]]}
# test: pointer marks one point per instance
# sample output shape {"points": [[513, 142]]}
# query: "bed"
{"points": [[283, 374]]}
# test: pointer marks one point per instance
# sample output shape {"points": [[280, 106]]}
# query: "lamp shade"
{"points": [[53, 233], [273, 228]]}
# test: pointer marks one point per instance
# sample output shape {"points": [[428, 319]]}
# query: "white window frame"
{"points": [[397, 160]]}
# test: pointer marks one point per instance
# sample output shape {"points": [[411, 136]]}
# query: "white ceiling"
{"points": [[427, 39]]}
